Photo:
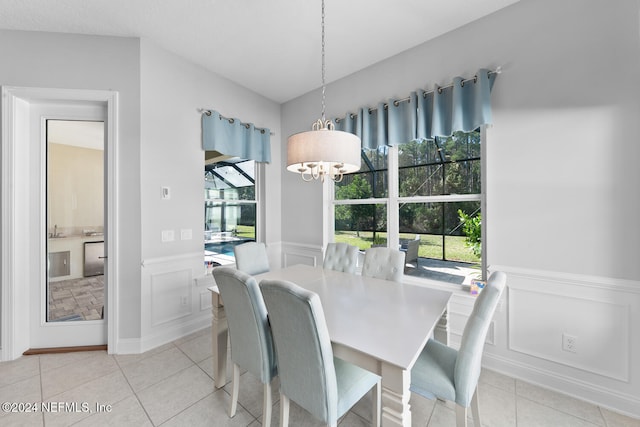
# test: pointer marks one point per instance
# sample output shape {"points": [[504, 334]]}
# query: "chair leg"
{"points": [[475, 409], [267, 405], [461, 416], [284, 410], [376, 393], [235, 386]]}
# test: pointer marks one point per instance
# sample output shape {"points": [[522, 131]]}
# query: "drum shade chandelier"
{"points": [[323, 151]]}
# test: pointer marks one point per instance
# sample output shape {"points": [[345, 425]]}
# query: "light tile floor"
{"points": [[172, 386]]}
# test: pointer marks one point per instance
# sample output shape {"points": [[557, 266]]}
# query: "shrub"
{"points": [[472, 228]]}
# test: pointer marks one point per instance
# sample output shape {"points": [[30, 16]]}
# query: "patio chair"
{"points": [[410, 248]]}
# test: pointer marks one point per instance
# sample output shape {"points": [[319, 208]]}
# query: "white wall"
{"points": [[159, 144], [562, 181], [173, 91], [47, 60]]}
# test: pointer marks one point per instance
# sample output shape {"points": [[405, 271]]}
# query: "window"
{"points": [[230, 207], [428, 191]]}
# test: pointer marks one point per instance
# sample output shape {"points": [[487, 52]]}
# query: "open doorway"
{"points": [[25, 230]]}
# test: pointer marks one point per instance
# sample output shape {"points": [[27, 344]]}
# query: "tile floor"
{"points": [[76, 299], [172, 386]]}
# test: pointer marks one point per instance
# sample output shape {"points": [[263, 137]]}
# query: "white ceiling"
{"points": [[269, 46], [78, 133]]}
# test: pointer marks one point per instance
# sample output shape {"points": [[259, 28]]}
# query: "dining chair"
{"points": [[324, 385], [384, 263], [249, 333], [449, 374], [341, 257], [251, 257]]}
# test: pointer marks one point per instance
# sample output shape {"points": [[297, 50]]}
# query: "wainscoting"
{"points": [[576, 334], [538, 313], [175, 301]]}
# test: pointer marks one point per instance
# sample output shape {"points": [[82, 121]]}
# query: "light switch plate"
{"points": [[167, 235], [186, 234]]}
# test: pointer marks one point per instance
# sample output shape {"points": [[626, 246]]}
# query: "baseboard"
{"points": [[625, 404], [162, 336]]}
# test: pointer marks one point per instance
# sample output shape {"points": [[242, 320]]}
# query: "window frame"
{"points": [[393, 202], [258, 201]]}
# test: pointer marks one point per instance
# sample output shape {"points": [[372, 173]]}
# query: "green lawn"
{"points": [[430, 245], [247, 231]]}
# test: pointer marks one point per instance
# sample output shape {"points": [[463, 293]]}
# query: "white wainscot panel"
{"points": [[170, 296], [542, 313], [205, 301], [294, 253]]}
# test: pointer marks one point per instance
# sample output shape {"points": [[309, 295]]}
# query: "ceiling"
{"points": [[269, 46], [79, 133]]}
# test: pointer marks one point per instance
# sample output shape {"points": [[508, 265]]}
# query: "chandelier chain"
{"points": [[323, 67]]}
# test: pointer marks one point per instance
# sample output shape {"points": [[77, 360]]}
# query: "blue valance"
{"points": [[463, 105], [234, 138]]}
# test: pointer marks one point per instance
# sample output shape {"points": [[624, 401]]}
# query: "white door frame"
{"points": [[14, 202]]}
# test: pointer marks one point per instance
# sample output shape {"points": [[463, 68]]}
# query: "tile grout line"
{"points": [[134, 392]]}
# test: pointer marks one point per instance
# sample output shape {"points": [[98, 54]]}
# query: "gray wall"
{"points": [[172, 92], [562, 154], [159, 144], [34, 59], [562, 185]]}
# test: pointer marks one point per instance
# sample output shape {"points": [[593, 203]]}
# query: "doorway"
{"points": [[27, 234], [75, 220]]}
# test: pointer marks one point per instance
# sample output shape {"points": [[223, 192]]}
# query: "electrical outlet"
{"points": [[186, 234], [183, 300], [569, 343]]}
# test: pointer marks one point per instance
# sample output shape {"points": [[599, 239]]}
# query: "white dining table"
{"points": [[379, 325]]}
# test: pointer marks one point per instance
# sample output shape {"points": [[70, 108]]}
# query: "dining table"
{"points": [[379, 325]]}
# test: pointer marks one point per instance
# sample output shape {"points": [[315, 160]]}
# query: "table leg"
{"points": [[441, 331], [219, 340], [396, 411]]}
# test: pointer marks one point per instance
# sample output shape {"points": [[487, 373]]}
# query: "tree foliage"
{"points": [[354, 217], [472, 227], [436, 167]]}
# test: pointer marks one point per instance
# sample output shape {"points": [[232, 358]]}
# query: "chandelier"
{"points": [[323, 151]]}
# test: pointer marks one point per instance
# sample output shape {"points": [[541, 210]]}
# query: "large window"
{"points": [[230, 207], [425, 194]]}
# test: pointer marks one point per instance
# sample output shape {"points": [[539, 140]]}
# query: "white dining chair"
{"points": [[249, 333], [324, 385], [341, 257], [251, 257], [384, 263], [449, 374]]}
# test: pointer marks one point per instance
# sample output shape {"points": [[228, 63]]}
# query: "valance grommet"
{"points": [[232, 137]]}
